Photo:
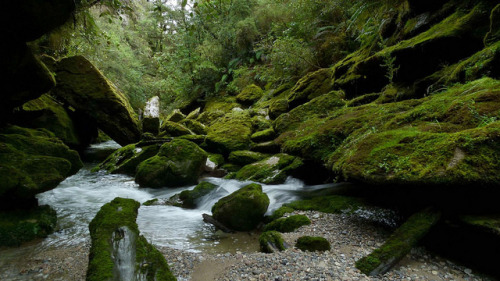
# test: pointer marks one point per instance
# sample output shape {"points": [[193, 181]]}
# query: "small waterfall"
{"points": [[124, 253]]}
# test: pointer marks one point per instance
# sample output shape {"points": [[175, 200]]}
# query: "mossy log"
{"points": [[399, 243]]}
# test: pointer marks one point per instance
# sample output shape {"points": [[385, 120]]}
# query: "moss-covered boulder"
{"points": [[188, 198], [86, 89], [242, 210], [245, 157], [271, 242], [269, 147], [263, 136], [173, 129], [288, 224], [195, 126], [272, 170], [45, 112], [310, 86], [118, 251], [176, 116], [31, 162], [333, 204], [399, 243], [313, 244], [250, 95], [230, 133], [277, 108], [21, 226], [178, 163], [126, 159]]}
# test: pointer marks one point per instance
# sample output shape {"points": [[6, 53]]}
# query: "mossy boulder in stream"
{"points": [[31, 162], [230, 133], [244, 157], [242, 210], [118, 251], [126, 159], [272, 170], [20, 226], [188, 198], [86, 89], [178, 163]]}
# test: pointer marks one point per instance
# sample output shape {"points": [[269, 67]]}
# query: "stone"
{"points": [[86, 89], [313, 244], [118, 251], [173, 129], [126, 159], [245, 157], [176, 116], [230, 133], [250, 95], [272, 170], [151, 116], [288, 224], [271, 242], [178, 163], [242, 210]]}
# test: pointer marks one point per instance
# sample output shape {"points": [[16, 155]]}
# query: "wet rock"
{"points": [[288, 224], [173, 129], [151, 116], [188, 198], [244, 157], [126, 159], [272, 170], [230, 133]]}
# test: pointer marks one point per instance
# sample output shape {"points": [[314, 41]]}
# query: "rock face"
{"points": [[31, 162], [118, 250], [178, 163], [242, 210], [86, 89]]}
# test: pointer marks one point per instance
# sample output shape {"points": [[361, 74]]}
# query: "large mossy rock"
{"points": [[188, 198], [271, 242], [178, 163], [310, 86], [230, 133], [242, 210], [20, 226], [245, 157], [399, 243], [31, 162], [272, 170], [118, 251], [288, 224], [173, 129], [45, 112], [86, 89], [250, 95], [313, 244], [126, 159]]}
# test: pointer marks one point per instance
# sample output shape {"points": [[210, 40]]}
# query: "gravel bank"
{"points": [[351, 238]]}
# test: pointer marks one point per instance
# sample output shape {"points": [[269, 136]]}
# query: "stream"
{"points": [[79, 198]]}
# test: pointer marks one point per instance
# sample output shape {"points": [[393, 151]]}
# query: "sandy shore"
{"points": [[351, 238]]}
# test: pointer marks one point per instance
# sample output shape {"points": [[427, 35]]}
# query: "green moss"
{"points": [[277, 108], [244, 157], [208, 117], [265, 135], [86, 89], [172, 129], [260, 123], [310, 86], [179, 162], [195, 126], [231, 168], [126, 159], [106, 228], [288, 224], [33, 161], [21, 226], [333, 204], [313, 244], [230, 133], [271, 240], [489, 222], [176, 116], [218, 159], [280, 212], [189, 197], [219, 104], [250, 95], [151, 202], [242, 210], [399, 243], [272, 170], [53, 117], [198, 139]]}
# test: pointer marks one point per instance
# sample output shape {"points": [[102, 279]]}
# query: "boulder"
{"points": [[277, 108], [242, 210], [126, 159], [310, 86], [173, 129], [245, 157], [188, 198], [288, 224], [151, 116], [272, 170], [86, 89], [195, 126], [263, 136], [230, 133], [45, 112], [20, 226], [194, 114], [271, 242], [313, 244], [250, 95], [118, 251], [32, 162], [176, 116], [178, 163]]}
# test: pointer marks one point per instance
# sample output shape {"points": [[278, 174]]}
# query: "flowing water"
{"points": [[79, 198]]}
